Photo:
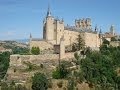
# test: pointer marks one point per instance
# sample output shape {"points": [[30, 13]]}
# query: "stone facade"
{"points": [[110, 34], [17, 60], [42, 44], [17, 64], [115, 43], [54, 29]]}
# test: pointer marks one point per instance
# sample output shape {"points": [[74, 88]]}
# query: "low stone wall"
{"points": [[115, 43], [17, 60], [18, 66], [41, 44]]}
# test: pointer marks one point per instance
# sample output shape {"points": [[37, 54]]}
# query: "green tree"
{"points": [[98, 70], [35, 50], [61, 72], [4, 86], [19, 87], [4, 63], [80, 44], [71, 84], [39, 82], [20, 50]]}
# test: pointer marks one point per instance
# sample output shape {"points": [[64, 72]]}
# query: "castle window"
{"points": [[60, 30]]}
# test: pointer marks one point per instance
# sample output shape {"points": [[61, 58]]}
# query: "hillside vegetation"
{"points": [[94, 70], [4, 63]]}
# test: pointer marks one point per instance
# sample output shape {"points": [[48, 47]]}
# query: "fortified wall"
{"points": [[42, 44], [18, 66], [115, 43], [17, 60]]}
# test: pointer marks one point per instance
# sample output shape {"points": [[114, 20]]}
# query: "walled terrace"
{"points": [[18, 70]]}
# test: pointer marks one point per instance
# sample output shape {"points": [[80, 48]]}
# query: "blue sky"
{"points": [[19, 18]]}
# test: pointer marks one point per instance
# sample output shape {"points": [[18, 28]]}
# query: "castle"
{"points": [[55, 29]]}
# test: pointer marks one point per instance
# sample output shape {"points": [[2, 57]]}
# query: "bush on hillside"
{"points": [[35, 50], [60, 72], [39, 82]]}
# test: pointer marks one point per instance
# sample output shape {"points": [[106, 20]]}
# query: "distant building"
{"points": [[110, 34]]}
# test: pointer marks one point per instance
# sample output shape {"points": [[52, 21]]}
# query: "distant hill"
{"points": [[22, 41]]}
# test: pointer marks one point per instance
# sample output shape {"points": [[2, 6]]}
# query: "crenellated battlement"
{"points": [[83, 23]]}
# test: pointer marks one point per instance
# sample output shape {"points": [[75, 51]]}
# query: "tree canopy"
{"points": [[99, 68], [80, 44], [39, 82], [4, 63], [35, 50]]}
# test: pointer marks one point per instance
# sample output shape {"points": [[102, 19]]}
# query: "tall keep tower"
{"points": [[53, 28], [48, 27]]}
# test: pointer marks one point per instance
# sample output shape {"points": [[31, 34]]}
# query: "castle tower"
{"points": [[48, 27], [48, 12], [77, 25], [96, 29], [88, 23], [59, 30], [112, 30], [30, 38]]}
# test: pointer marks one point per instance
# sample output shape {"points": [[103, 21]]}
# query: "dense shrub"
{"points": [[71, 84], [61, 72], [39, 82], [35, 50], [56, 74], [20, 50], [4, 86], [4, 63], [99, 67]]}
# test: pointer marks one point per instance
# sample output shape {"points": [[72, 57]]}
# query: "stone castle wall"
{"points": [[17, 60], [70, 37], [115, 43], [41, 44], [92, 40]]}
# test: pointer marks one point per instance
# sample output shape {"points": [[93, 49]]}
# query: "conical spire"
{"points": [[30, 35], [48, 12], [96, 28], [100, 31]]}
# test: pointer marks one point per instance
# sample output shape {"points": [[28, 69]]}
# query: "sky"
{"points": [[19, 18]]}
